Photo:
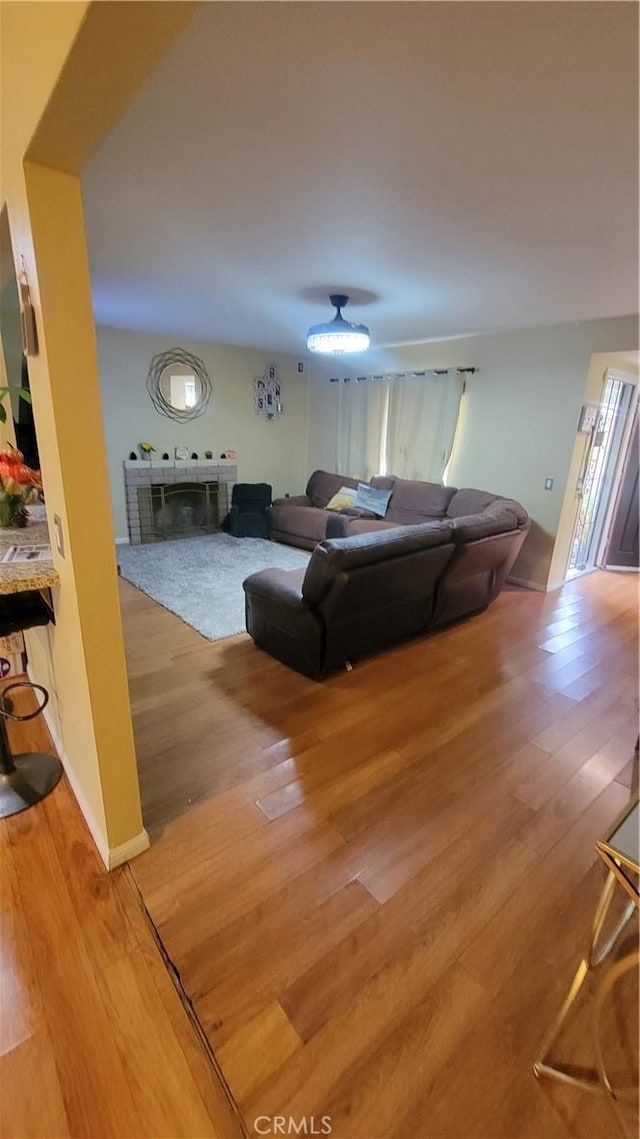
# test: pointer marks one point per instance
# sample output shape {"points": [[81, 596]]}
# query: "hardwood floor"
{"points": [[95, 1041], [376, 889]]}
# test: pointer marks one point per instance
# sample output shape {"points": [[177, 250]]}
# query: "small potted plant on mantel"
{"points": [[147, 449]]}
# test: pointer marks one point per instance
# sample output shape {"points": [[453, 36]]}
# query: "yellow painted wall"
{"points": [[48, 69], [88, 660]]}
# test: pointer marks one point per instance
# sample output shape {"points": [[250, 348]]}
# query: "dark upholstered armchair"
{"points": [[249, 505]]}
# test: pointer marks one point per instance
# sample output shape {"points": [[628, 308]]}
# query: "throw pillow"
{"points": [[369, 498], [342, 498]]}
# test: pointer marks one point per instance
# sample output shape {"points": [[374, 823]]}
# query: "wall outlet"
{"points": [[548, 484], [300, 366]]}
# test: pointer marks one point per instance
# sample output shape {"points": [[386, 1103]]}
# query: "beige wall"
{"points": [[267, 452], [518, 419]]}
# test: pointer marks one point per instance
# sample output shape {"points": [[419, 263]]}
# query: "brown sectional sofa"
{"points": [[356, 595], [438, 555], [302, 520]]}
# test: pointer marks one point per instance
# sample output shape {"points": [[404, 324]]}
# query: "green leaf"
{"points": [[22, 393], [3, 414]]}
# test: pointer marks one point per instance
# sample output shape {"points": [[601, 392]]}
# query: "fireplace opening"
{"points": [[178, 510]]}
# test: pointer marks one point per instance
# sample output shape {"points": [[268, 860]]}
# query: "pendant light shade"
{"points": [[338, 335]]}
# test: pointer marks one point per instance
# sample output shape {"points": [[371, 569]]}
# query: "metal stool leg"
{"points": [[24, 779]]}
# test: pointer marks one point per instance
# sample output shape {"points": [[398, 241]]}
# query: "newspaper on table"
{"points": [[35, 553]]}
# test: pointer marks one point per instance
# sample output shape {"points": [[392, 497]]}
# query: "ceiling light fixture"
{"points": [[338, 335]]}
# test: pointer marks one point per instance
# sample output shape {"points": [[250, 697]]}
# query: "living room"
{"points": [[536, 358], [335, 869]]}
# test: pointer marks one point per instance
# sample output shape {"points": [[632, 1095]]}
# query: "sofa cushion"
{"points": [[372, 498], [339, 555], [305, 522], [364, 525], [358, 512], [499, 505], [484, 524], [413, 501], [470, 502], [509, 504], [323, 485]]}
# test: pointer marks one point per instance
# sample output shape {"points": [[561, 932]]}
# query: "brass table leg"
{"points": [[595, 956], [609, 981]]}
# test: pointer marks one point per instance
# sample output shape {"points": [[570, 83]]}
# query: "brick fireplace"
{"points": [[169, 498]]}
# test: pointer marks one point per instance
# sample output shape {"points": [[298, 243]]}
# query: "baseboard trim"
{"points": [[525, 584], [122, 541], [95, 831], [129, 849], [535, 585], [111, 856]]}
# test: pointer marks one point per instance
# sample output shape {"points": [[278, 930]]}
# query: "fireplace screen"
{"points": [[178, 510]]}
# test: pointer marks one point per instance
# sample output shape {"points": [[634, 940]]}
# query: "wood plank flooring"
{"points": [[95, 1042], [376, 889]]}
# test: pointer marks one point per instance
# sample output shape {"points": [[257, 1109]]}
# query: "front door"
{"points": [[600, 474], [622, 547]]}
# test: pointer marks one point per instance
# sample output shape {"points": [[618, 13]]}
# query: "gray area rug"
{"points": [[200, 579]]}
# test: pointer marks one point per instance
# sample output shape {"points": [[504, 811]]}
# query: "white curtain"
{"points": [[422, 418], [362, 414]]}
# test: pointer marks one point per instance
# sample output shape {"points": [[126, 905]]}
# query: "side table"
{"points": [[619, 850]]}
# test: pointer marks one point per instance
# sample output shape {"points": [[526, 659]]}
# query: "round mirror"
{"points": [[180, 388], [178, 384]]}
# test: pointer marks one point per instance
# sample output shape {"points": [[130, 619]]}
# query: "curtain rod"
{"points": [[467, 371]]}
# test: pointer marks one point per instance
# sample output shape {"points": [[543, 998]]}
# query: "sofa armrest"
{"points": [[282, 623], [281, 587], [293, 500]]}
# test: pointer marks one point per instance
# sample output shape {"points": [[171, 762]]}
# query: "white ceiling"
{"points": [[453, 166]]}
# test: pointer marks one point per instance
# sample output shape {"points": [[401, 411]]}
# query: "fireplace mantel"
{"points": [[140, 474]]}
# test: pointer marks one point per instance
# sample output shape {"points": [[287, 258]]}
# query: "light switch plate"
{"points": [[548, 484], [57, 525]]}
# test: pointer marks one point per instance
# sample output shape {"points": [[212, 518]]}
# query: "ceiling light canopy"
{"points": [[338, 335]]}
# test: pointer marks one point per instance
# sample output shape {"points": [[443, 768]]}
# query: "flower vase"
{"points": [[6, 511], [12, 512]]}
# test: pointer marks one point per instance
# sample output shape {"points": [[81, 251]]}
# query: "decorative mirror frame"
{"points": [[178, 358]]}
